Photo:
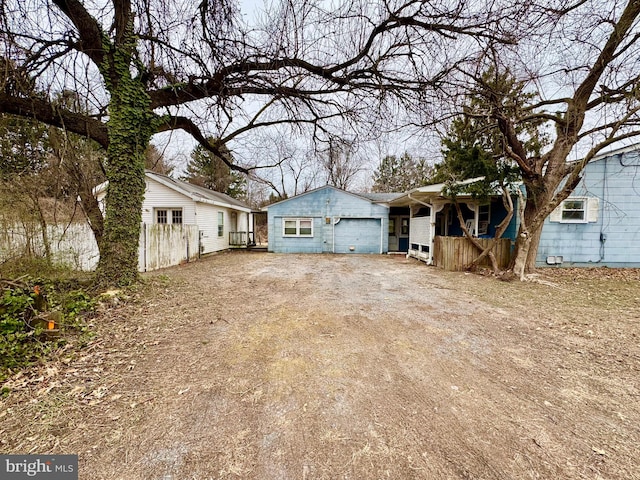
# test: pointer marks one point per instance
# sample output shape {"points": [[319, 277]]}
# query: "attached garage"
{"points": [[328, 220], [358, 235]]}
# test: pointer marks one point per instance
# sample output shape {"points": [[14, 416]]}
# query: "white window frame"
{"points": [[484, 219], [584, 210], [220, 224], [591, 209], [170, 216], [173, 216], [298, 221]]}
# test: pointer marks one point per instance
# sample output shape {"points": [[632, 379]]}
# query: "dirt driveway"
{"points": [[269, 366]]}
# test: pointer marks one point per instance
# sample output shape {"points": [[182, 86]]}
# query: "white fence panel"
{"points": [[74, 245], [420, 230], [71, 244], [166, 245]]}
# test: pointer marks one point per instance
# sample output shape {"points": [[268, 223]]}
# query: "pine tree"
{"points": [[207, 170], [400, 174]]}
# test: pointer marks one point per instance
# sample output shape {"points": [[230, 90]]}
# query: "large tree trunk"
{"points": [[118, 265], [526, 250], [92, 212], [130, 128], [532, 212]]}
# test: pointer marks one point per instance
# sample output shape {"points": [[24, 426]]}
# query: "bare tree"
{"points": [[148, 66], [340, 163], [156, 161], [79, 167], [585, 99], [286, 162]]}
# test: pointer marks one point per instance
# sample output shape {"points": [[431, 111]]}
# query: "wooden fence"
{"points": [[166, 245], [456, 253], [72, 244], [75, 246]]}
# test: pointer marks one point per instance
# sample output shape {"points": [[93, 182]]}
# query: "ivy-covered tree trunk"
{"points": [[130, 128]]}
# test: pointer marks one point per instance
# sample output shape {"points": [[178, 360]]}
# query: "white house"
{"points": [[222, 222]]}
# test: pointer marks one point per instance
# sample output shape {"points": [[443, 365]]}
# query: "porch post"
{"points": [[435, 208], [432, 233]]}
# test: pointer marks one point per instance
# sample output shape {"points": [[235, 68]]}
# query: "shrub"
{"points": [[26, 307]]}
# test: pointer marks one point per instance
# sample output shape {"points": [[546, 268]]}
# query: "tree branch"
{"points": [[577, 107], [186, 124], [43, 111], [91, 35]]}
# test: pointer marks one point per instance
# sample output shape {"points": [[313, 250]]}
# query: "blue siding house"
{"points": [[328, 220], [599, 224]]}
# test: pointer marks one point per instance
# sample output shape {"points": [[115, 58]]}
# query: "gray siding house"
{"points": [[328, 220], [599, 224]]}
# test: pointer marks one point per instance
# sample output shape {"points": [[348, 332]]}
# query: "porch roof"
{"points": [[429, 193]]}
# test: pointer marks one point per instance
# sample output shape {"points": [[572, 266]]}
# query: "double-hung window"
{"points": [[220, 224], [574, 210], [297, 227]]}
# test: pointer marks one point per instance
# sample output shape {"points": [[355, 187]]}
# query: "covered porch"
{"points": [[433, 221], [241, 229]]}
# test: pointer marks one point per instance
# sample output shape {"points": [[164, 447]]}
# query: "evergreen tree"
{"points": [[210, 171], [474, 146], [400, 174]]}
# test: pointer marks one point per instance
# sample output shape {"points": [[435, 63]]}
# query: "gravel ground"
{"points": [[265, 366]]}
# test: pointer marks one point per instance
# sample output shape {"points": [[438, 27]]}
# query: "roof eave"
{"points": [[199, 199]]}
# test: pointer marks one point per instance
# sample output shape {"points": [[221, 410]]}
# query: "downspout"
{"points": [[432, 225], [381, 234], [603, 235], [333, 234]]}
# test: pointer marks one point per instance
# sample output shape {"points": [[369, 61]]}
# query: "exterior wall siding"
{"points": [[614, 238], [281, 244], [334, 204], [157, 195], [204, 215], [207, 220]]}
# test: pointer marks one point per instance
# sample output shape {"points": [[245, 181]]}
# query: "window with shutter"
{"points": [[576, 210]]}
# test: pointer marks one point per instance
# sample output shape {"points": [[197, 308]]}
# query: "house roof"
{"points": [[381, 197], [617, 151], [196, 193], [363, 196], [428, 193]]}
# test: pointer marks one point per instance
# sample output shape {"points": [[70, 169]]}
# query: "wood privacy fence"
{"points": [[72, 244], [456, 253], [75, 246], [166, 245]]}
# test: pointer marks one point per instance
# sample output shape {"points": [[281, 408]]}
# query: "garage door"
{"points": [[357, 235]]}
